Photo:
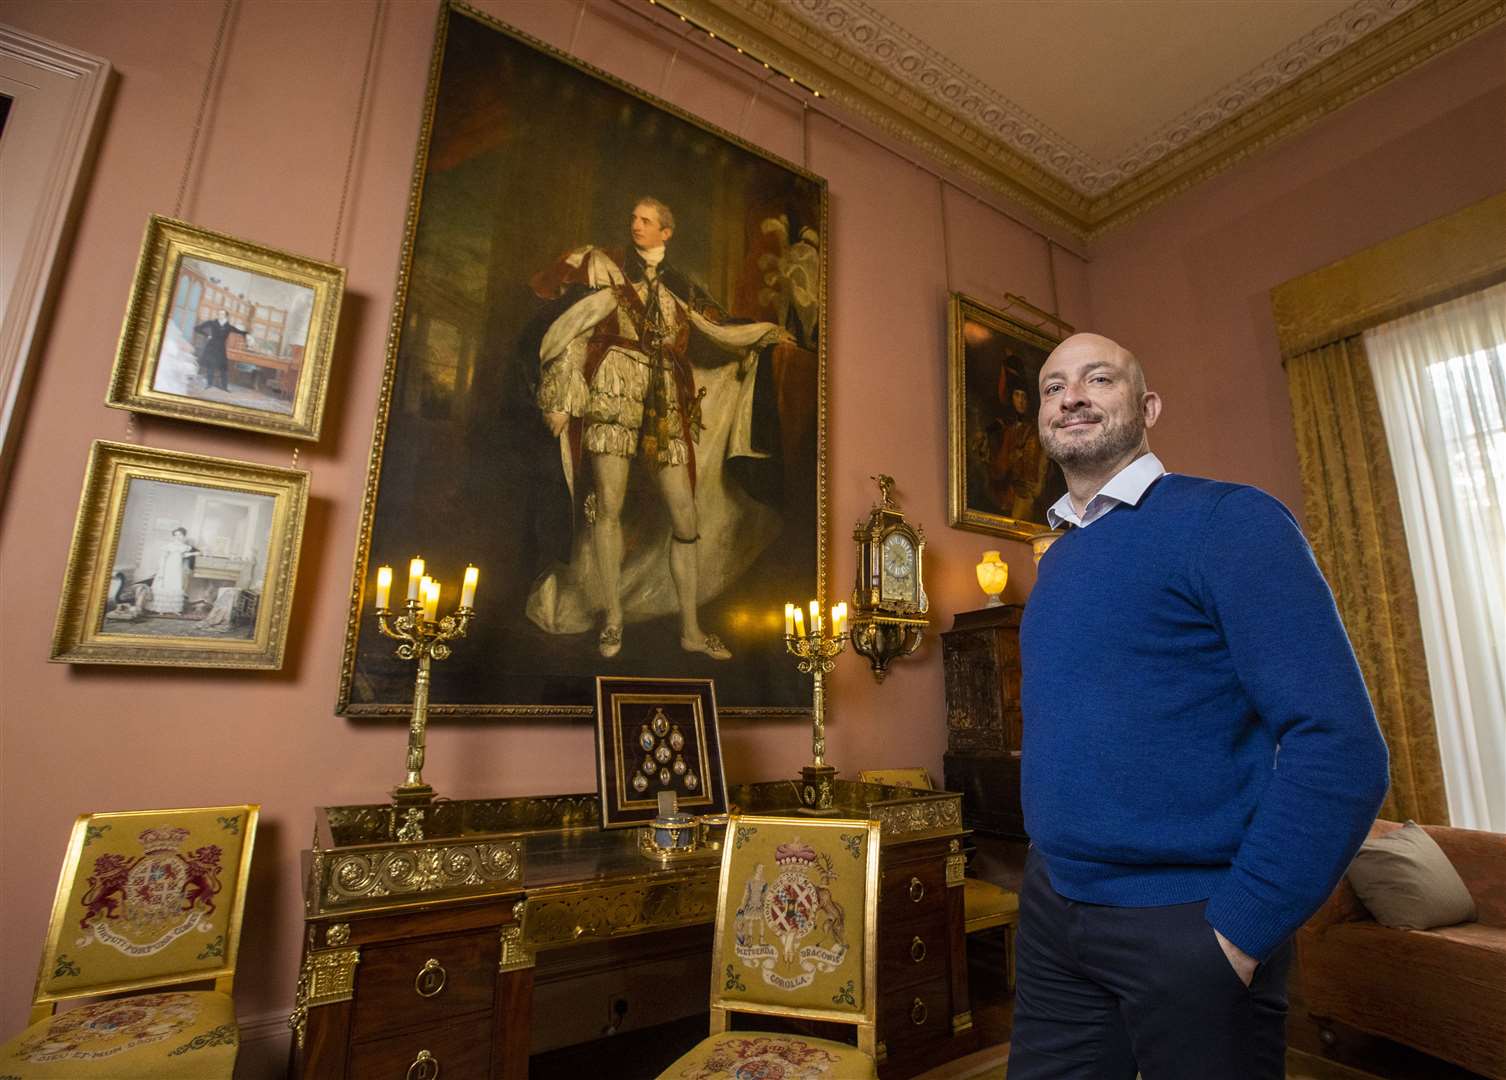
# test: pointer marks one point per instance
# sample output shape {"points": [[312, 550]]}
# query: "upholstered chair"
{"points": [[795, 919], [148, 902]]}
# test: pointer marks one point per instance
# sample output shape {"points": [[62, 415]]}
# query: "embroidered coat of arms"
{"points": [[141, 905], [791, 928]]}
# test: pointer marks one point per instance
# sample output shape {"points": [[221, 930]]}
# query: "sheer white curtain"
{"points": [[1440, 378]]}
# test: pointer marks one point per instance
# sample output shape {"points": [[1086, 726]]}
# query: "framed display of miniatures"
{"points": [[224, 331], [604, 386], [180, 560], [999, 478], [656, 735]]}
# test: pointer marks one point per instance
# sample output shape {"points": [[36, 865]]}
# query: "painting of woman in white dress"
{"points": [[191, 561]]}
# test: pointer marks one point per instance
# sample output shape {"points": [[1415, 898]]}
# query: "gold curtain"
{"points": [[1354, 524]]}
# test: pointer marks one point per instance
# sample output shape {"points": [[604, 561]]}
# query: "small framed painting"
{"points": [[1000, 479], [656, 735], [224, 331], [180, 560]]}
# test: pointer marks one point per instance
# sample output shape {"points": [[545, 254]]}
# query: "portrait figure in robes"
{"points": [[641, 369]]}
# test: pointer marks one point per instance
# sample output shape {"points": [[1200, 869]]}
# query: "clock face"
{"points": [[897, 579]]}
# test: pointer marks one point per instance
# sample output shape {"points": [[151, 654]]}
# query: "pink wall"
{"points": [[113, 738], [1187, 287]]}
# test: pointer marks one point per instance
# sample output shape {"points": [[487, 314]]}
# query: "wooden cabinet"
{"points": [[981, 659], [923, 1011], [422, 994]]}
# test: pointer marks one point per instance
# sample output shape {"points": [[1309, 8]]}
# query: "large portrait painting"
{"points": [[1000, 480], [604, 388]]}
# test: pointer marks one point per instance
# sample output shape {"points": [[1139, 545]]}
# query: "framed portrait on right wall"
{"points": [[1000, 480]]}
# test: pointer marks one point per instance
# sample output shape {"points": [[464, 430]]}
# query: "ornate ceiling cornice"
{"points": [[876, 70]]}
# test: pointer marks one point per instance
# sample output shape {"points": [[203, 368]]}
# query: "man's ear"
{"points": [[1150, 405], [667, 234]]}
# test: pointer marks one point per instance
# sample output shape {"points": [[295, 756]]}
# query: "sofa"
{"points": [[1443, 990]]}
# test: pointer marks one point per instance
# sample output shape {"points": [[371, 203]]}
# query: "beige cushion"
{"points": [[736, 1055], [1405, 880]]}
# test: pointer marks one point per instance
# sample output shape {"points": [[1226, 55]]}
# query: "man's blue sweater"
{"points": [[1168, 649]]}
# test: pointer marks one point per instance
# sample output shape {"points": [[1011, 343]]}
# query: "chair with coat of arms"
{"points": [[795, 918], [149, 902]]}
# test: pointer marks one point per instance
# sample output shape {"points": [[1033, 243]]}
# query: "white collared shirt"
{"points": [[1126, 486]]}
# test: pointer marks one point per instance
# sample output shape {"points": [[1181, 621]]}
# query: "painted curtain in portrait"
{"points": [[518, 250]]}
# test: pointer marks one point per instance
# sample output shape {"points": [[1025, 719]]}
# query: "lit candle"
{"points": [[838, 619], [799, 622], [431, 600], [415, 575], [468, 587], [815, 618], [789, 620], [384, 586]]}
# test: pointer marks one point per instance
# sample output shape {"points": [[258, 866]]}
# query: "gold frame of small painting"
{"points": [[677, 717], [216, 596], [998, 478], [207, 307]]}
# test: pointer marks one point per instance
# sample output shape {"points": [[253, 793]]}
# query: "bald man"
{"points": [[1178, 635]]}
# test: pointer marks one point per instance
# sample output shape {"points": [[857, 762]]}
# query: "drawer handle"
{"points": [[429, 981], [918, 1012], [917, 950], [424, 1067], [917, 890]]}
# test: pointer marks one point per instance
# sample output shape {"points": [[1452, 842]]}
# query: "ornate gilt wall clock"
{"points": [[889, 601]]}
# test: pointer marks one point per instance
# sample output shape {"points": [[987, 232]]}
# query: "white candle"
{"points": [[468, 587], [789, 620], [384, 586], [799, 622], [431, 600], [815, 618], [838, 619], [415, 576]]}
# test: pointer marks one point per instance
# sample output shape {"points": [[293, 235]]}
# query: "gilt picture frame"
{"points": [[220, 330], [656, 735], [999, 479], [180, 560], [469, 466]]}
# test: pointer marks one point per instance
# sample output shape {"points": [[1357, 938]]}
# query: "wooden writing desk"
{"points": [[422, 925]]}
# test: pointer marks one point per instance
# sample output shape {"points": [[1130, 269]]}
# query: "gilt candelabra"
{"points": [[425, 638], [815, 655]]}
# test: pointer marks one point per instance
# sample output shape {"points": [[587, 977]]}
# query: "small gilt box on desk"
{"points": [[981, 658]]}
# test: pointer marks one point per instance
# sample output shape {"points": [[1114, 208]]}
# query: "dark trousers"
{"points": [[1104, 992]]}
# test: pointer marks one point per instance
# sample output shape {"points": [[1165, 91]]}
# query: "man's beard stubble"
{"points": [[1109, 443]]}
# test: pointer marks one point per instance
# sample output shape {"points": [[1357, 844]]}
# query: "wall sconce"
{"points": [[993, 575]]}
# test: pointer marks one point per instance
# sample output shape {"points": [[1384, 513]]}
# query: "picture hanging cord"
{"points": [[580, 17], [805, 139], [198, 124], [669, 67], [946, 240], [1051, 272], [133, 432], [295, 456], [355, 136], [742, 123]]}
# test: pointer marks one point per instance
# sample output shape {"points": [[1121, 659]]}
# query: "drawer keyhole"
{"points": [[428, 982], [917, 950], [917, 890], [424, 1067]]}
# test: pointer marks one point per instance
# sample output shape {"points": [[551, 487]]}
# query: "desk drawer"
{"points": [[913, 1019], [912, 951], [912, 890], [457, 1052], [424, 982]]}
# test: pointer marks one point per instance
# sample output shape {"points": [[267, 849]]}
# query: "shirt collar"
{"points": [[1128, 485]]}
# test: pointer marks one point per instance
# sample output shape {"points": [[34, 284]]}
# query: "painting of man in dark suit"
{"points": [[214, 362]]}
